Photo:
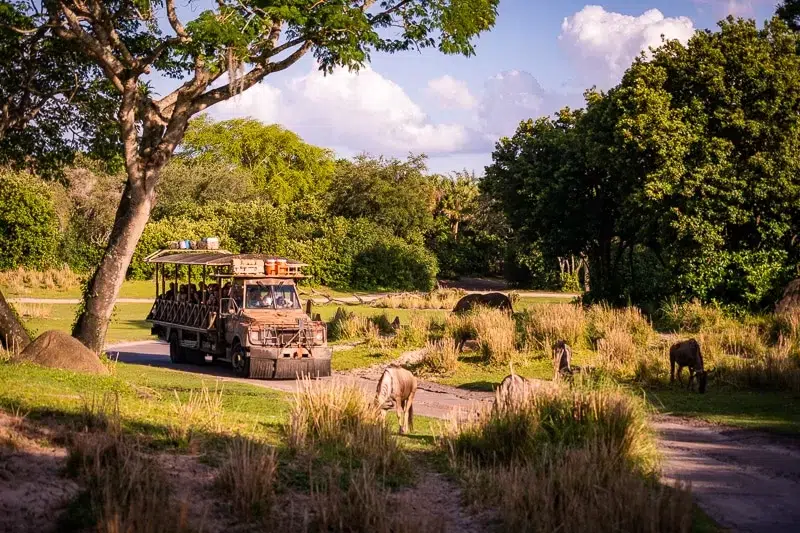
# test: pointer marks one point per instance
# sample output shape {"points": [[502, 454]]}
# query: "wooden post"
{"points": [[189, 284], [163, 279], [175, 292], [156, 281], [203, 295]]}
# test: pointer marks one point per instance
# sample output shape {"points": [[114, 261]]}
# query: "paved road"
{"points": [[745, 480], [317, 299]]}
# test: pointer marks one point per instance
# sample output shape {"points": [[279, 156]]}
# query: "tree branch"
{"points": [[172, 16], [248, 80]]}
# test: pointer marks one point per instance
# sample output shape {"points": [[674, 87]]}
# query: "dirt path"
{"points": [[745, 480]]}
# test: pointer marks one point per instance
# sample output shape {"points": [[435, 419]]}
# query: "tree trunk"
{"points": [[101, 294], [13, 336]]}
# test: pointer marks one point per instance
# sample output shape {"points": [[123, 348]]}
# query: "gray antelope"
{"points": [[687, 354], [514, 387], [397, 388]]}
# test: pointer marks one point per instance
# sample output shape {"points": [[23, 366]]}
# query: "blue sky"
{"points": [[539, 57]]}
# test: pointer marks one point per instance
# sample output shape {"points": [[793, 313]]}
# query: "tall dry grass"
{"points": [[33, 310], [441, 357], [248, 477], [566, 460], [546, 324], [23, 281], [363, 507], [414, 333], [690, 317], [585, 489], [341, 421], [603, 320], [542, 422], [495, 331], [200, 412], [126, 491], [437, 299], [347, 326]]}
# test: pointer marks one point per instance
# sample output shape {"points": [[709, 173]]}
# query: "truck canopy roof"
{"points": [[219, 258]]}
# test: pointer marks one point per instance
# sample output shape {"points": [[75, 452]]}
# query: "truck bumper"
{"points": [[272, 363]]}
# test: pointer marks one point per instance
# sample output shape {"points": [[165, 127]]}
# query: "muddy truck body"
{"points": [[246, 311]]}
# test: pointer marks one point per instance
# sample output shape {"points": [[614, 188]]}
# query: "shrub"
{"points": [[690, 317], [603, 319], [393, 263], [616, 347], [29, 227], [347, 325], [247, 477]]}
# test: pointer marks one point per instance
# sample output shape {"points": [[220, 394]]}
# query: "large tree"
{"points": [[682, 180], [246, 39], [282, 167]]}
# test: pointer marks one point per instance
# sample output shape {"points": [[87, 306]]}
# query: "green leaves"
{"points": [[691, 160]]}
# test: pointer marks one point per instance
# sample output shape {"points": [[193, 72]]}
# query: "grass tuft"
{"points": [[247, 477]]}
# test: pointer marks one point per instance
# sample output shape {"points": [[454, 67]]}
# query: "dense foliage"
{"points": [[682, 180], [28, 223]]}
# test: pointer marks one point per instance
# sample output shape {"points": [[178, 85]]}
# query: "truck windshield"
{"points": [[272, 297]]}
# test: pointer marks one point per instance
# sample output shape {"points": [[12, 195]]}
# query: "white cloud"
{"points": [[452, 93], [603, 44], [357, 111]]}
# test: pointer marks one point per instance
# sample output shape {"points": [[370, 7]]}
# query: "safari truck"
{"points": [[245, 311]]}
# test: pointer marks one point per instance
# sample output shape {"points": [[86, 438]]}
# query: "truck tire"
{"points": [[240, 361], [176, 354]]}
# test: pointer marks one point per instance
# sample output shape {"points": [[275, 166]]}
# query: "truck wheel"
{"points": [[175, 349], [240, 361]]}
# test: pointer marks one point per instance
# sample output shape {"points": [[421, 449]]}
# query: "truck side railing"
{"points": [[194, 315]]}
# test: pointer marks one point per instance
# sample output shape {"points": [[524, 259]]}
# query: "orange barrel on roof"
{"points": [[283, 268], [271, 267]]}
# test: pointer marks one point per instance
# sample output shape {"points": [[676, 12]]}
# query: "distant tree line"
{"points": [[367, 223], [682, 181]]}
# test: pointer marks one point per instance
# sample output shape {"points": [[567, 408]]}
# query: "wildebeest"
{"points": [[687, 354], [562, 356], [495, 300], [514, 386], [397, 388]]}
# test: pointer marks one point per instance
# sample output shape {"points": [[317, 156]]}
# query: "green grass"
{"points": [[128, 322], [473, 374], [147, 401], [362, 357], [774, 412], [130, 289]]}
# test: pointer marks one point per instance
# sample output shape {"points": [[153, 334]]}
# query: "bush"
{"points": [[414, 333], [394, 264], [495, 331], [29, 227]]}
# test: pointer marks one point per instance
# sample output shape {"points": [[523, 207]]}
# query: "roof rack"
{"points": [[238, 264]]}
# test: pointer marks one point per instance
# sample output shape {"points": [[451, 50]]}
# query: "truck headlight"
{"points": [[319, 336]]}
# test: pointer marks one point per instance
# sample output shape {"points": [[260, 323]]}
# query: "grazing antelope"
{"points": [[562, 356], [397, 388], [687, 354], [514, 386]]}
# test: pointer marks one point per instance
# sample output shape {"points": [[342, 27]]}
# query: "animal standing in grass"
{"points": [[493, 300], [562, 356], [514, 387], [687, 354], [397, 388]]}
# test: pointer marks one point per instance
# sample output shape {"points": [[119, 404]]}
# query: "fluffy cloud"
{"points": [[452, 93], [603, 44], [349, 111]]}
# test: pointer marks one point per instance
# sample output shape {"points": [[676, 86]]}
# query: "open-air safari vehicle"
{"points": [[245, 311]]}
